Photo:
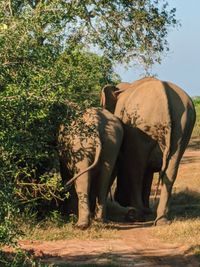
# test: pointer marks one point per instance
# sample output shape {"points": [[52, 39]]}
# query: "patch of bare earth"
{"points": [[135, 245]]}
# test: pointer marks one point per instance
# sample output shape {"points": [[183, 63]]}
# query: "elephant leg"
{"points": [[136, 200], [82, 185], [136, 189], [133, 162], [129, 190], [122, 190], [146, 189], [169, 176], [93, 191], [103, 188], [70, 205], [168, 179]]}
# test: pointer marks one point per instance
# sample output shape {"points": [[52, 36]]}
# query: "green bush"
{"points": [[196, 131], [38, 81]]}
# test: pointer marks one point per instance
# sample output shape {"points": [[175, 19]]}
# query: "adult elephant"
{"points": [[158, 120], [88, 149]]}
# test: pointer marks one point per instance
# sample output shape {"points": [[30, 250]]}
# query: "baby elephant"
{"points": [[89, 151]]}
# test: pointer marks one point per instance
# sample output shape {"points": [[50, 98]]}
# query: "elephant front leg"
{"points": [[82, 189]]}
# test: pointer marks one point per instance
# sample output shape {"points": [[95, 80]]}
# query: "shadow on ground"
{"points": [[194, 143], [142, 258], [185, 204]]}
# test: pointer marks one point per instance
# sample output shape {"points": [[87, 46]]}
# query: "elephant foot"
{"points": [[149, 215], [162, 221], [100, 220], [134, 215], [147, 211], [82, 226], [131, 215]]}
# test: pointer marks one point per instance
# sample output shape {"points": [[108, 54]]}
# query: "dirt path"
{"points": [[135, 247]]}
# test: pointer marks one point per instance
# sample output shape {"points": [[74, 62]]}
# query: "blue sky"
{"points": [[182, 64]]}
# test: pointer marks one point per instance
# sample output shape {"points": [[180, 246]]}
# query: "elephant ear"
{"points": [[109, 95], [123, 86]]}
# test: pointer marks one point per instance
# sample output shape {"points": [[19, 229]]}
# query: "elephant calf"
{"points": [[90, 153]]}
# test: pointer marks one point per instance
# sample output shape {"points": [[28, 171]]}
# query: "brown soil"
{"points": [[135, 246]]}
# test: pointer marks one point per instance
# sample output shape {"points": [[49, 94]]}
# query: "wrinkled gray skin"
{"points": [[159, 118], [92, 159]]}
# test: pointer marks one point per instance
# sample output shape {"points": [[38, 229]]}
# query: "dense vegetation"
{"points": [[196, 131], [46, 63]]}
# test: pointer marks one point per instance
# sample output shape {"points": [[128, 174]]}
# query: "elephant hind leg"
{"points": [[179, 145], [103, 187], [168, 179], [122, 191], [82, 185], [146, 189]]}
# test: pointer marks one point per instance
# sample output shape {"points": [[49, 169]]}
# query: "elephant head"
{"points": [[111, 94]]}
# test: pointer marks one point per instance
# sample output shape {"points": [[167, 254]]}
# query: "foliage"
{"points": [[45, 64], [121, 29], [7, 213], [19, 258], [196, 131]]}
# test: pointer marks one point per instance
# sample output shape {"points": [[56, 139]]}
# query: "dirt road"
{"points": [[135, 246]]}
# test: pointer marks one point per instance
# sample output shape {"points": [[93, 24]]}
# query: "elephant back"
{"points": [[146, 107]]}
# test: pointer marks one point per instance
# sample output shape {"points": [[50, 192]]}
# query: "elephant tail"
{"points": [[167, 135], [166, 153], [96, 159]]}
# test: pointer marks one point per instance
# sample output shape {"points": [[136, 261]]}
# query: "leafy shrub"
{"points": [[196, 131], [38, 81]]}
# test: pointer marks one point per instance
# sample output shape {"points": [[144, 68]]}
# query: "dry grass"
{"points": [[180, 231], [183, 232], [185, 226], [52, 231]]}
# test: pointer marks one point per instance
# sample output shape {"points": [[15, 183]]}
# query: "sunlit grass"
{"points": [[186, 231], [48, 230]]}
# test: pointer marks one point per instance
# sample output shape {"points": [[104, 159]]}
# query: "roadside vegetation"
{"points": [[196, 131], [49, 230]]}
